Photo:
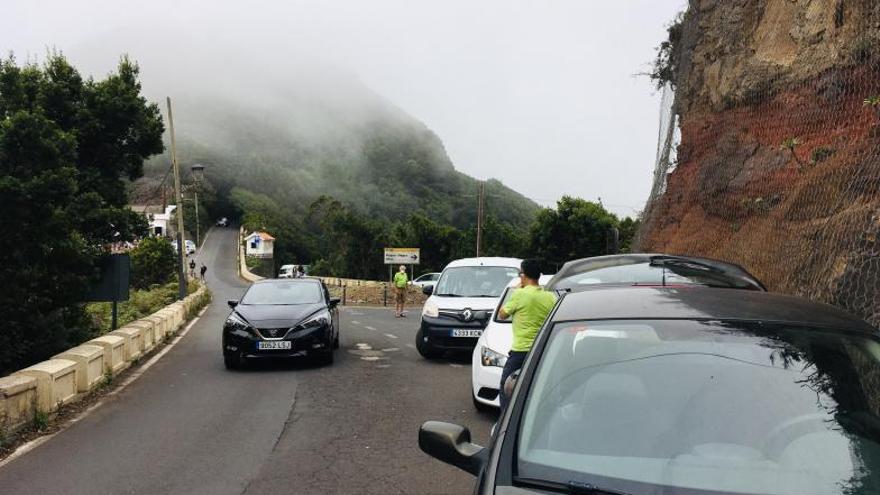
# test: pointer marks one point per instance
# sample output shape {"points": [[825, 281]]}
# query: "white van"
{"points": [[491, 351], [286, 271], [461, 303]]}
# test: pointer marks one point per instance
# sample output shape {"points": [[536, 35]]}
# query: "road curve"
{"points": [[189, 426]]}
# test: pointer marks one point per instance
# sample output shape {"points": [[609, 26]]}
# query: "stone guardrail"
{"points": [[71, 375]]}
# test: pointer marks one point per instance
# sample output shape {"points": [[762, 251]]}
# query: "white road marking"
{"points": [[372, 358], [390, 335], [383, 365], [454, 365], [391, 349], [370, 328], [362, 346], [355, 322]]}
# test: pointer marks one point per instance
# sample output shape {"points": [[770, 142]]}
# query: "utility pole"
{"points": [[196, 193], [181, 248], [481, 197]]}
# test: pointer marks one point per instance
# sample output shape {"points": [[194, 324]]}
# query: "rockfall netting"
{"points": [[769, 151]]}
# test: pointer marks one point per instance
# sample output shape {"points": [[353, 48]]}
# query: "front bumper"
{"points": [[302, 342], [438, 332], [485, 381]]}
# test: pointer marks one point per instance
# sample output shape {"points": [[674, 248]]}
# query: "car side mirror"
{"points": [[335, 302], [232, 304], [451, 444], [428, 290]]}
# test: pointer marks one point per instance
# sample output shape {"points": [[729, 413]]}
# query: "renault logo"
{"points": [[467, 314]]}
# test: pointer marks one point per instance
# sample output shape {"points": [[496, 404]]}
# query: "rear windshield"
{"points": [[656, 406], [475, 281], [283, 293]]}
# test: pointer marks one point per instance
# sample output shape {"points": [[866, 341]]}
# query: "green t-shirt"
{"points": [[400, 280], [529, 307]]}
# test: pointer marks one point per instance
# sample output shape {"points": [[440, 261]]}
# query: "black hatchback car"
{"points": [[685, 391], [281, 318]]}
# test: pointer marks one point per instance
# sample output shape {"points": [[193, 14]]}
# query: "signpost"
{"points": [[113, 286], [402, 256]]}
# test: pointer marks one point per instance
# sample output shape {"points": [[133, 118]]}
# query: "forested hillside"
{"points": [[317, 139]]}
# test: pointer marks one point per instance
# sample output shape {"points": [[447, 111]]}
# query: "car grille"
{"points": [[272, 333], [460, 315]]}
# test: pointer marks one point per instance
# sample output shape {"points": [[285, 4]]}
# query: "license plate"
{"points": [[273, 345], [466, 333]]}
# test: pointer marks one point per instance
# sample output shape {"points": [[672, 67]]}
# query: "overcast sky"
{"points": [[539, 94]]}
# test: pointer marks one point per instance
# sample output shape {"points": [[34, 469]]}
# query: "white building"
{"points": [[159, 220], [259, 244]]}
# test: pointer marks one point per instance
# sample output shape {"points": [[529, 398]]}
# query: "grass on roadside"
{"points": [[141, 303]]}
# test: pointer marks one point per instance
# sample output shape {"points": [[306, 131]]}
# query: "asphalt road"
{"points": [[189, 426]]}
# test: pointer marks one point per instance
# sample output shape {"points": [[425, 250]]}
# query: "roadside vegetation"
{"points": [[68, 144]]}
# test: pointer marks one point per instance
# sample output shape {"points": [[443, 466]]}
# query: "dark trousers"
{"points": [[515, 360]]}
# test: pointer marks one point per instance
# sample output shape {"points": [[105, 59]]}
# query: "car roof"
{"points": [[286, 266], [696, 303], [486, 261], [584, 265], [288, 280], [514, 282]]}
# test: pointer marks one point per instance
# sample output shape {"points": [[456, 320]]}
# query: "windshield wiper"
{"points": [[448, 295], [572, 487]]}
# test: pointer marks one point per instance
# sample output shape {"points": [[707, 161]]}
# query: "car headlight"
{"points": [[491, 358], [237, 322], [319, 319], [431, 310]]}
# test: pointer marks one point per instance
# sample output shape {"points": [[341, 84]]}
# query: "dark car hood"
{"points": [[276, 316]]}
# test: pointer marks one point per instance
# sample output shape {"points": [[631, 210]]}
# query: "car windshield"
{"points": [[669, 273], [475, 281], [730, 407], [283, 293]]}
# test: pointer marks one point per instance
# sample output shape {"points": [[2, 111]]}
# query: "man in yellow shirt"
{"points": [[400, 283], [529, 306]]}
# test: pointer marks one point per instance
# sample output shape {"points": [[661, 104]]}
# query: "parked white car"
{"points": [[491, 351], [426, 279], [190, 246]]}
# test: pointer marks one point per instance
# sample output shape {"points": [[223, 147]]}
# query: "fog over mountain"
{"points": [[295, 128]]}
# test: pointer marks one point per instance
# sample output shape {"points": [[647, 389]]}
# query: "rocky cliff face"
{"points": [[778, 163]]}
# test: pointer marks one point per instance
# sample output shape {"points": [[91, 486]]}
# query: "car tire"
{"points": [[425, 349], [480, 407], [232, 360]]}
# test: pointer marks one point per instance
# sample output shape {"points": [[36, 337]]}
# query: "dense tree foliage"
{"points": [[67, 144], [153, 262], [338, 241]]}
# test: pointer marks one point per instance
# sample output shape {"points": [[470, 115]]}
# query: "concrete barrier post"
{"points": [[147, 331], [89, 361], [56, 382], [18, 397], [133, 341], [114, 352]]}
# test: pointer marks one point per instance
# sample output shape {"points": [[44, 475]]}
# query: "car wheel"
{"points": [[426, 349], [479, 406], [232, 360]]}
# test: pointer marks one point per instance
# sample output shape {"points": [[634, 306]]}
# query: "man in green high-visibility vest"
{"points": [[400, 283]]}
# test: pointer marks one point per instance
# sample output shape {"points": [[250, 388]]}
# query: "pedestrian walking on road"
{"points": [[192, 268], [529, 306], [203, 270], [400, 283]]}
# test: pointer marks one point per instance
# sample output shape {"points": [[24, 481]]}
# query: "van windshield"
{"points": [[475, 281]]}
